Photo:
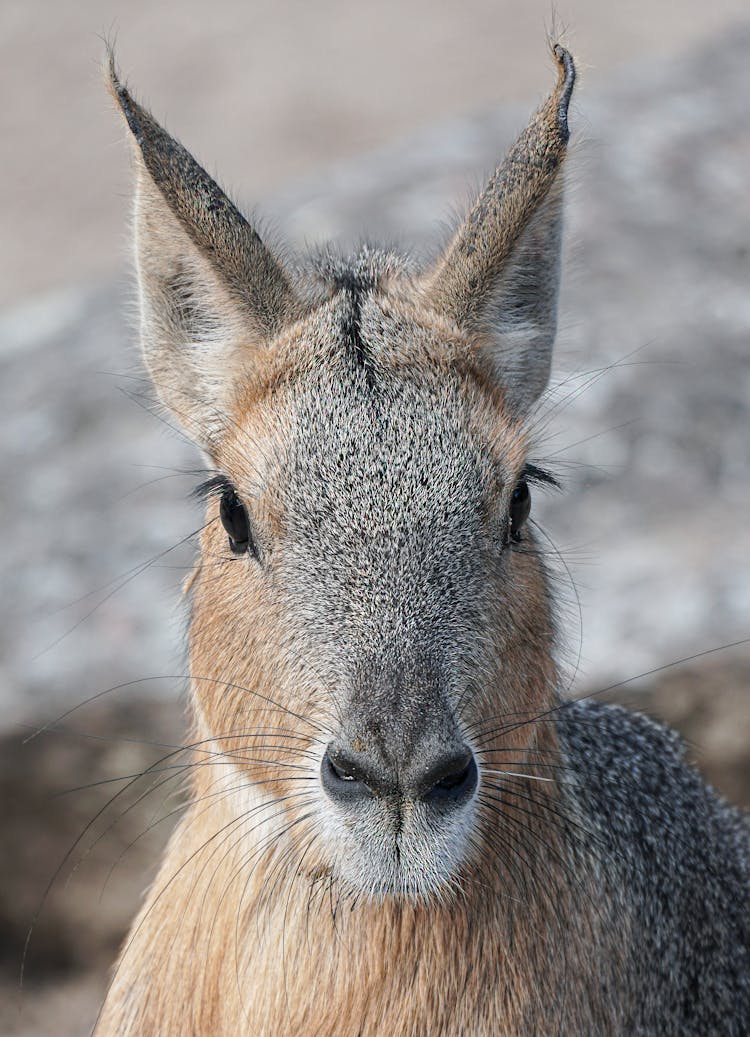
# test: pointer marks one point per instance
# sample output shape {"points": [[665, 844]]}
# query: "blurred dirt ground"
{"points": [[653, 454]]}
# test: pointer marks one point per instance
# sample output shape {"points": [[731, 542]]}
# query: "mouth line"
{"points": [[398, 830]]}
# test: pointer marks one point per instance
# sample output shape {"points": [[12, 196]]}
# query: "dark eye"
{"points": [[520, 506], [235, 521]]}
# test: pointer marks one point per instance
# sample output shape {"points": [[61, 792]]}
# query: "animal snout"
{"points": [[438, 777]]}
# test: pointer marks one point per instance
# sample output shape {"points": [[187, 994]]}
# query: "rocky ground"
{"points": [[648, 430]]}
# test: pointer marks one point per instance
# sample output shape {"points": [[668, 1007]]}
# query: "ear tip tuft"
{"points": [[567, 65], [120, 93], [566, 82], [110, 71]]}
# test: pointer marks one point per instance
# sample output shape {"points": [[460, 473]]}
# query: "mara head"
{"points": [[368, 609]]}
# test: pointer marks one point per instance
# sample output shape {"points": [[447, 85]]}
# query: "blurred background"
{"points": [[342, 120]]}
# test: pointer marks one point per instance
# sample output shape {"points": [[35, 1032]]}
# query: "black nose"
{"points": [[451, 779], [438, 779]]}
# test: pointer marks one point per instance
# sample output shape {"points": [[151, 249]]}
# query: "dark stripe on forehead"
{"points": [[353, 290]]}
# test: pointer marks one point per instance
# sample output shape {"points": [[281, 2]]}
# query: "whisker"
{"points": [[122, 582], [172, 677], [513, 774]]}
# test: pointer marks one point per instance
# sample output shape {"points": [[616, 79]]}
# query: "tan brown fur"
{"points": [[375, 970], [379, 968]]}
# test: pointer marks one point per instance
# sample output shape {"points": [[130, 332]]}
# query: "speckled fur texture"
{"points": [[372, 421]]}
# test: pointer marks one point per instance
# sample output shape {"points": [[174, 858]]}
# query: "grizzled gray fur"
{"points": [[677, 859]]}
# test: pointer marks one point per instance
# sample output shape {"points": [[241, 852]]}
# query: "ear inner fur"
{"points": [[474, 259], [214, 224]]}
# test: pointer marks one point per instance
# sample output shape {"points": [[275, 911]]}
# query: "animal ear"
{"points": [[211, 293], [499, 276]]}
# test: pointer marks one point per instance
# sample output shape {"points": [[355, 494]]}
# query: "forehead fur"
{"points": [[371, 369], [380, 462]]}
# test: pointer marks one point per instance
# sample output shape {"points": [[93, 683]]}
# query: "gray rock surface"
{"points": [[648, 426]]}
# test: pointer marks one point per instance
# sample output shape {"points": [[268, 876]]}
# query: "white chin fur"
{"points": [[413, 856]]}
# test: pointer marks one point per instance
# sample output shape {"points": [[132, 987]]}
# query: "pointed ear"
{"points": [[211, 292], [499, 276]]}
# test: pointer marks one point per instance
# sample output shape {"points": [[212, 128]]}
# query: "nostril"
{"points": [[452, 780], [340, 773], [342, 778]]}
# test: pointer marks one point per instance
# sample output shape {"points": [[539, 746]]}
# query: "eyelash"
{"points": [[216, 486], [534, 474]]}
